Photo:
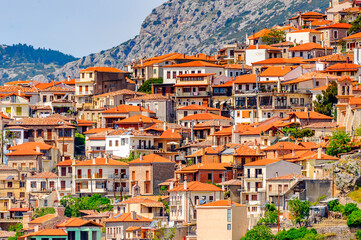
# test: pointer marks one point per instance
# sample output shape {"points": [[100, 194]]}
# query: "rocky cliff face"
{"points": [[194, 26]]}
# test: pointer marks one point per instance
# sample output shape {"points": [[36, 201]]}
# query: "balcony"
{"points": [[250, 177], [137, 147], [193, 94], [42, 190]]}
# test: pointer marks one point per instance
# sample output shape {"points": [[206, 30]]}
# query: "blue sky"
{"points": [[77, 27]]}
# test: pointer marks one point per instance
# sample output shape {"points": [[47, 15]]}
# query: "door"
{"points": [[49, 134], [100, 173], [62, 185], [89, 173]]}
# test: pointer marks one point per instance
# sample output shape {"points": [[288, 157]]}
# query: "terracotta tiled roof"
{"points": [[42, 86], [101, 162], [309, 115], [18, 82], [198, 107], [8, 89], [38, 122], [322, 125], [170, 134], [149, 97], [243, 150], [227, 131], [284, 146], [262, 162], [340, 57], [122, 131], [336, 25], [276, 71], [65, 163], [132, 229], [196, 75], [238, 66], [44, 175], [85, 123], [125, 109], [138, 119], [120, 92], [69, 82], [307, 30], [307, 47], [42, 219], [353, 36], [343, 67], [312, 14], [320, 22], [221, 203], [226, 84], [203, 116], [58, 89], [102, 69], [143, 201], [197, 187], [259, 130], [211, 123], [18, 210], [310, 76], [194, 64], [127, 217], [287, 177], [322, 88], [307, 145], [268, 47], [248, 78], [355, 101], [32, 146], [259, 34], [151, 158], [206, 166], [294, 60], [77, 222], [24, 152], [46, 232], [97, 130]]}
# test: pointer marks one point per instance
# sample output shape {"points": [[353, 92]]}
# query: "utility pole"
{"points": [[257, 89], [63, 158], [278, 213]]}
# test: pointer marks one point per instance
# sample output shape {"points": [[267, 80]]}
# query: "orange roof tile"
{"points": [[307, 145], [322, 88], [42, 86], [125, 109], [97, 130], [284, 146], [353, 36], [102, 69], [85, 123], [143, 201], [340, 57], [65, 163], [196, 75], [69, 81], [123, 131], [197, 187], [151, 158], [268, 47], [24, 152], [132, 229], [42, 219], [320, 22], [259, 34], [194, 64], [336, 25], [138, 119], [32, 146], [46, 232], [226, 131], [276, 71], [38, 122], [203, 116], [120, 92], [309, 115], [307, 47], [44, 175], [127, 217], [262, 162], [287, 177], [77, 222], [149, 97], [307, 30], [355, 101], [206, 166], [343, 67], [248, 78], [170, 134], [243, 150], [294, 60], [221, 203], [310, 76]]}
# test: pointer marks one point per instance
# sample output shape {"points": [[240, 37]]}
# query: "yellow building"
{"points": [[220, 220]]}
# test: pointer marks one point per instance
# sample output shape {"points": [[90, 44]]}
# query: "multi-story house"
{"points": [[206, 172], [256, 53], [103, 176], [113, 99], [26, 160], [221, 220], [304, 36], [60, 98], [171, 72], [15, 105], [192, 120], [167, 144], [65, 177], [195, 109], [303, 19], [310, 50], [126, 226], [193, 89], [53, 131], [137, 122], [184, 199], [98, 80], [42, 188], [255, 175], [335, 7], [333, 34], [256, 38], [163, 106], [147, 172], [122, 142], [222, 97]]}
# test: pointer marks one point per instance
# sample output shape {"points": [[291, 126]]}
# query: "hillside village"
{"points": [[203, 147]]}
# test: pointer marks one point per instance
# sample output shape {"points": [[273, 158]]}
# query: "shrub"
{"points": [[354, 219], [335, 206], [349, 208], [301, 233], [358, 234], [260, 232]]}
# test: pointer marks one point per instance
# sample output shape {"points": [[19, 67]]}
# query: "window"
{"points": [[285, 187], [229, 226], [155, 71], [33, 184], [335, 34], [168, 74], [22, 184], [86, 88], [146, 187], [116, 143], [110, 143], [22, 194], [147, 175], [65, 147], [44, 98], [80, 89], [209, 176], [174, 74], [10, 184], [229, 215], [19, 111], [254, 197], [211, 198], [90, 75], [133, 175], [270, 188], [317, 83]]}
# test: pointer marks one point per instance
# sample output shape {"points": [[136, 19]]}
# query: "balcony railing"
{"points": [[258, 176], [195, 94], [137, 147]]}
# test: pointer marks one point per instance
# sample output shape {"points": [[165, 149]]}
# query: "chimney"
{"points": [[19, 92], [293, 153], [94, 162], [59, 211], [134, 215], [258, 150], [68, 78], [171, 185], [185, 185], [172, 130], [37, 149], [106, 160], [27, 218], [164, 126], [141, 157], [319, 152]]}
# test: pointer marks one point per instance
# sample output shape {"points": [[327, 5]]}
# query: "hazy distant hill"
{"points": [[193, 26], [21, 61]]}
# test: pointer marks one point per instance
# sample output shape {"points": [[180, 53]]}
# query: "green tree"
{"points": [[358, 234], [354, 219], [17, 229], [299, 133], [325, 103], [271, 216], [259, 232], [335, 206], [147, 85], [339, 143], [349, 208], [300, 210], [274, 36], [356, 26], [300, 234], [79, 144], [95, 202], [39, 212]]}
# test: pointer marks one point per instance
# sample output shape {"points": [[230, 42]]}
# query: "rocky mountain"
{"points": [[21, 62], [194, 26]]}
